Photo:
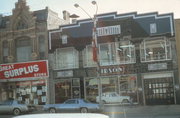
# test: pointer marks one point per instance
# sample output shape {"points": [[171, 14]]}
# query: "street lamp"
{"points": [[94, 40]]}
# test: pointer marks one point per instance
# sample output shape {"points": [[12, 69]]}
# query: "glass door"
{"points": [[63, 91]]}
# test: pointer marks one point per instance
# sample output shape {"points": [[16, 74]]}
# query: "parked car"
{"points": [[12, 106], [73, 105], [113, 97], [64, 115]]}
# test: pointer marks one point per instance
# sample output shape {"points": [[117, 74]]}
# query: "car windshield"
{"points": [[120, 58], [114, 94]]}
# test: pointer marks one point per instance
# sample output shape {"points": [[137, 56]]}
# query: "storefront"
{"points": [[25, 82], [112, 79]]}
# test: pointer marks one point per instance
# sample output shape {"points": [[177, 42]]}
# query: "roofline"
{"points": [[134, 15]]}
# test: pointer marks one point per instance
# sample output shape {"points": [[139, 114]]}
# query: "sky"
{"points": [[104, 6]]}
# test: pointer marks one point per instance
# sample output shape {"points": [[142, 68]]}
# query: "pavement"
{"points": [[143, 110], [135, 109]]}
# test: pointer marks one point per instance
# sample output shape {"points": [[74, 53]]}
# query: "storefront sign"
{"points": [[157, 66], [24, 70], [110, 70], [65, 73], [109, 30]]}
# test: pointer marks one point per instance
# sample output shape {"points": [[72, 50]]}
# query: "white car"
{"points": [[113, 97]]}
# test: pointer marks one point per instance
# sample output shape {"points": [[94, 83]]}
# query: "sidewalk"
{"points": [[145, 110], [135, 109]]}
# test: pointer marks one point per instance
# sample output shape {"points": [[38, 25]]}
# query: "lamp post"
{"points": [[94, 40]]}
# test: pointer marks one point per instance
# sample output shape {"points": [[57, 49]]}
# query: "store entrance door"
{"points": [[62, 91], [67, 89], [159, 91]]}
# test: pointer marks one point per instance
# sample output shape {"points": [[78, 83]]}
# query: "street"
{"points": [[127, 111]]}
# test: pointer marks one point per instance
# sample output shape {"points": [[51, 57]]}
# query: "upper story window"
{"points": [[21, 25], [64, 39], [153, 28], [5, 51], [23, 50], [88, 57], [155, 49], [66, 58], [122, 52], [42, 47]]}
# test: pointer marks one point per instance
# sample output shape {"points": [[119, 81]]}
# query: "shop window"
{"points": [[31, 92], [23, 50], [66, 58], [117, 53], [88, 57], [91, 85], [123, 85], [155, 50], [5, 51], [128, 87], [42, 47], [109, 84]]}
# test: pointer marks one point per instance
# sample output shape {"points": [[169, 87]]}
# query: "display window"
{"points": [[122, 85], [91, 85], [31, 92]]}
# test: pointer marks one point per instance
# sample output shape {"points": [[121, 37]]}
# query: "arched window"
{"points": [[23, 49], [21, 25]]}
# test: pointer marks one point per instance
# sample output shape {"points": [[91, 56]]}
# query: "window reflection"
{"points": [[66, 58], [117, 53], [122, 85]]}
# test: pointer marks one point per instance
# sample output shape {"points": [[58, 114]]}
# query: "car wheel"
{"points": [[16, 111], [52, 110], [104, 102], [125, 101], [84, 110]]}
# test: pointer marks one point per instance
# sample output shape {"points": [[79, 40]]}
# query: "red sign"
{"points": [[24, 70]]}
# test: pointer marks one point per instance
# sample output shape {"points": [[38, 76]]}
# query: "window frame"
{"points": [[113, 48], [167, 45], [75, 59]]}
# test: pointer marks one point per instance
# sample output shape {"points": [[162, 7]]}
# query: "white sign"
{"points": [[39, 92], [34, 89], [43, 98], [157, 66], [65, 73], [111, 70], [109, 30]]}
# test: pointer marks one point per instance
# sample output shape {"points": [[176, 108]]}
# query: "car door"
{"points": [[5, 107], [114, 98], [70, 106]]}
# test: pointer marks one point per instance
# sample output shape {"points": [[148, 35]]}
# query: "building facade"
{"points": [[24, 53], [177, 29], [137, 58]]}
